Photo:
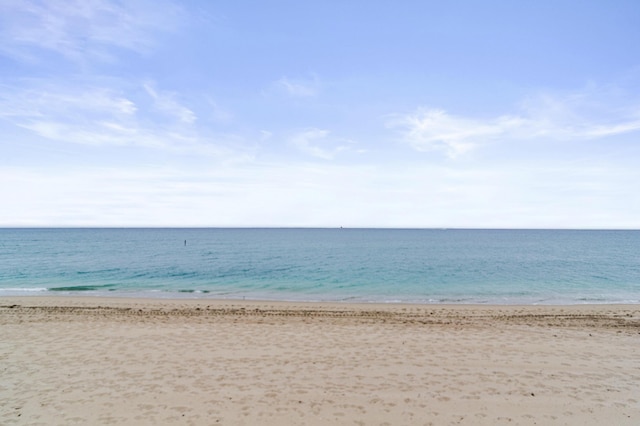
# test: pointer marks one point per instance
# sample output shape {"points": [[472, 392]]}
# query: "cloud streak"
{"points": [[39, 102], [435, 130], [167, 104], [98, 116], [317, 143], [298, 88], [542, 117], [78, 29]]}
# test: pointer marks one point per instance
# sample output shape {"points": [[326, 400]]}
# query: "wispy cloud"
{"points": [[570, 117], [592, 113], [79, 29], [217, 113], [299, 87], [166, 103], [39, 101], [435, 130], [317, 143], [98, 116]]}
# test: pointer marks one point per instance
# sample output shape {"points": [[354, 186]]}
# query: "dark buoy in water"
{"points": [[185, 242]]}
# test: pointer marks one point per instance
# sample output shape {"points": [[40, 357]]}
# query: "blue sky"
{"points": [[334, 113]]}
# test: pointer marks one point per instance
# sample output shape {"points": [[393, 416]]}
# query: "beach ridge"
{"points": [[611, 316]]}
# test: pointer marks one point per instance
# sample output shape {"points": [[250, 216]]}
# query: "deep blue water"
{"points": [[378, 265]]}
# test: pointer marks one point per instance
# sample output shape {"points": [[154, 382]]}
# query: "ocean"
{"points": [[341, 265]]}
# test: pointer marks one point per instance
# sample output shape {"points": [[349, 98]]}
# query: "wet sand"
{"points": [[81, 360]]}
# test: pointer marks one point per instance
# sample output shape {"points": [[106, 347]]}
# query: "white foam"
{"points": [[27, 289], [16, 291]]}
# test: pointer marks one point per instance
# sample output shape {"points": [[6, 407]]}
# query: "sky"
{"points": [[408, 114]]}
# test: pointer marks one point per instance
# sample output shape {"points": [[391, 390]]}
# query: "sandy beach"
{"points": [[85, 360]]}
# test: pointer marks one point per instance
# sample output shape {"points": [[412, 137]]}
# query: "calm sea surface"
{"points": [[358, 265]]}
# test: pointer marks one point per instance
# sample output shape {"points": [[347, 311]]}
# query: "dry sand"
{"points": [[67, 361]]}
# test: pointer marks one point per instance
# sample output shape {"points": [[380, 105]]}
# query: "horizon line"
{"points": [[433, 228]]}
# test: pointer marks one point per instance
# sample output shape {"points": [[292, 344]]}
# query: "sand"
{"points": [[66, 361]]}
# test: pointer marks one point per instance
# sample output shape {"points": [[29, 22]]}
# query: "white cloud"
{"points": [[299, 87], [591, 113], [96, 116], [166, 103], [65, 113], [79, 29], [435, 130], [316, 142], [217, 113], [613, 129], [45, 101], [285, 194], [571, 117], [265, 135]]}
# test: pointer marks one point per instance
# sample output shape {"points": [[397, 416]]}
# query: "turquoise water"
{"points": [[359, 265]]}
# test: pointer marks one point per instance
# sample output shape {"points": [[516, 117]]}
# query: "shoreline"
{"points": [[258, 298], [96, 360], [311, 307]]}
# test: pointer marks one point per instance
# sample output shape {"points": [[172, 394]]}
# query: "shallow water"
{"points": [[360, 265]]}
